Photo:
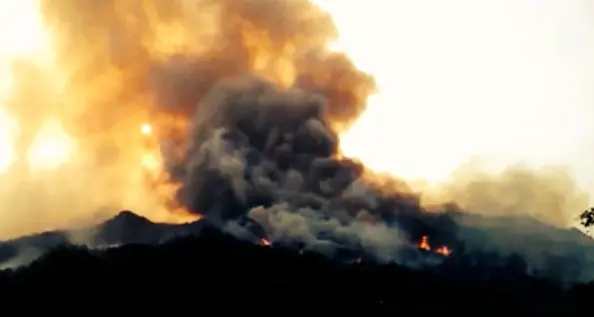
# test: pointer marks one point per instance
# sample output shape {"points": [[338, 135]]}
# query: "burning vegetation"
{"points": [[441, 250]]}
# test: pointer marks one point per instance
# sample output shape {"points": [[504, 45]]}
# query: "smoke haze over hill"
{"points": [[247, 107]]}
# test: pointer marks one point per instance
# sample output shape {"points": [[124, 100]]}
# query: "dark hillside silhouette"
{"points": [[217, 271], [134, 263]]}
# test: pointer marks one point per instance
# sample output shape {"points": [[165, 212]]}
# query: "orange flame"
{"points": [[443, 250], [265, 242], [424, 245]]}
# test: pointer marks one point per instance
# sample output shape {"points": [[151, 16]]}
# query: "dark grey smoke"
{"points": [[268, 154]]}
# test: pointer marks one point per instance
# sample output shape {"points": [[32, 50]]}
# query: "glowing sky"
{"points": [[507, 79]]}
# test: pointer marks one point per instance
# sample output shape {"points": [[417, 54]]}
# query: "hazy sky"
{"points": [[510, 79]]}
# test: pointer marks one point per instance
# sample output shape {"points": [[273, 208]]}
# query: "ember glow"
{"points": [[443, 250], [425, 246], [424, 243], [265, 242]]}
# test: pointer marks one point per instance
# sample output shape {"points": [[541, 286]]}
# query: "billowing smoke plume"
{"points": [[269, 153], [246, 105], [259, 93], [115, 66]]}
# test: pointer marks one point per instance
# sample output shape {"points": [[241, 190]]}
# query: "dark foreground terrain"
{"points": [[216, 273]]}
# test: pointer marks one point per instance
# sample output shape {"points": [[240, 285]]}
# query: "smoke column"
{"points": [[113, 67], [249, 115]]}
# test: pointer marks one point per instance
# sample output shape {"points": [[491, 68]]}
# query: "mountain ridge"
{"points": [[542, 246], [126, 227]]}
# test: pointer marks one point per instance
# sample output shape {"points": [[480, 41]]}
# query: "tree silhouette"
{"points": [[587, 217]]}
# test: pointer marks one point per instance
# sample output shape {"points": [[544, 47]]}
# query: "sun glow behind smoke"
{"points": [[51, 148], [22, 36], [146, 129], [47, 154], [22, 31], [8, 129]]}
